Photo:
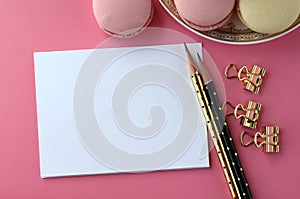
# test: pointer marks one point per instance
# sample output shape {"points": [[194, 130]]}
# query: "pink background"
{"points": [[44, 25]]}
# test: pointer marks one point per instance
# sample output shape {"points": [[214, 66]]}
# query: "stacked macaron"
{"points": [[268, 16], [204, 15], [123, 18]]}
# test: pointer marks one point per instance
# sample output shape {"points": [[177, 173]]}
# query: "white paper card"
{"points": [[118, 110]]}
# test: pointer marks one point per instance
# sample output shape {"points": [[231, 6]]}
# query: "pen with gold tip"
{"points": [[223, 132], [215, 118]]}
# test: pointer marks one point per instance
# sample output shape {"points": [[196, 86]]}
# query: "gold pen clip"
{"points": [[268, 138], [252, 79], [249, 113]]}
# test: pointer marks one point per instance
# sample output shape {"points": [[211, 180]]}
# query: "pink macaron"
{"points": [[123, 18], [205, 15]]}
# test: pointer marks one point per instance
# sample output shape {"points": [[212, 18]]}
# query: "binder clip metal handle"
{"points": [[249, 113], [268, 138], [252, 79]]}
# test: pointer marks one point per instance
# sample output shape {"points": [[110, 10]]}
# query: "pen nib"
{"points": [[203, 70], [191, 63]]}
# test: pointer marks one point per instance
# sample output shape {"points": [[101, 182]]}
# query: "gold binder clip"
{"points": [[249, 113], [268, 138], [252, 79]]}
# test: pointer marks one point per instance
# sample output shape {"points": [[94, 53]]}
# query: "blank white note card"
{"points": [[118, 110]]}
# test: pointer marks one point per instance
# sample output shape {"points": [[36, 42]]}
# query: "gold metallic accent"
{"points": [[252, 79], [211, 125], [248, 113], [269, 139]]}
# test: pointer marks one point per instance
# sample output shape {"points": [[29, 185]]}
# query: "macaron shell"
{"points": [[123, 18], [204, 12], [268, 16], [208, 28]]}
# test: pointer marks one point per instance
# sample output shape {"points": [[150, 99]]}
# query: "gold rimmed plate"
{"points": [[233, 32]]}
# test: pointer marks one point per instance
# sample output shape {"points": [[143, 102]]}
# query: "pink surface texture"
{"points": [[29, 26]]}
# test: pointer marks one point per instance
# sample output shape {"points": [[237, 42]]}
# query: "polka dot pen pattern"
{"points": [[218, 129]]}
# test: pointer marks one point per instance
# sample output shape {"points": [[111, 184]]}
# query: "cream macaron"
{"points": [[268, 16], [205, 15], [123, 18]]}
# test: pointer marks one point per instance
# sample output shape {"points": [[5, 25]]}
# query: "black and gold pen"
{"points": [[224, 132], [218, 129]]}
